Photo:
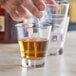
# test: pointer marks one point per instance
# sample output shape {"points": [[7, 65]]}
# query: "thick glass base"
{"points": [[33, 63], [55, 51]]}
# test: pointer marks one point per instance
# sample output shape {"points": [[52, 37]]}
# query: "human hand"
{"points": [[20, 9]]}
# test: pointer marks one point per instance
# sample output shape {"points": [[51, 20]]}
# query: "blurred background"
{"points": [[7, 25], [72, 14]]}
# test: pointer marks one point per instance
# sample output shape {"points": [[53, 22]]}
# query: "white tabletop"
{"points": [[62, 65]]}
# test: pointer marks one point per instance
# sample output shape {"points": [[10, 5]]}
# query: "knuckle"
{"points": [[36, 1], [34, 10], [25, 1]]}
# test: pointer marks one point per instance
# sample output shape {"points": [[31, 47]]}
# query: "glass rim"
{"points": [[58, 4], [26, 25], [53, 19], [55, 16], [65, 2], [51, 5]]}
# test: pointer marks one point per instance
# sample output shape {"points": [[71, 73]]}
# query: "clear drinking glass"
{"points": [[58, 35], [33, 39], [59, 20]]}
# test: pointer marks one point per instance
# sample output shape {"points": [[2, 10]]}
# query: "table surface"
{"points": [[61, 65]]}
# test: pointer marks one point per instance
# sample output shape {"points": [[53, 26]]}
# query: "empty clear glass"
{"points": [[59, 20], [58, 35]]}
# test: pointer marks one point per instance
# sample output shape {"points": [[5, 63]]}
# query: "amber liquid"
{"points": [[33, 49]]}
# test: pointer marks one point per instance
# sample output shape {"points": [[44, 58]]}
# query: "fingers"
{"points": [[19, 9], [39, 4], [18, 12], [50, 1], [23, 12], [32, 8], [15, 15], [53, 2]]}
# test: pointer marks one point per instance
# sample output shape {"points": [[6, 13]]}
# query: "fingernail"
{"points": [[40, 14]]}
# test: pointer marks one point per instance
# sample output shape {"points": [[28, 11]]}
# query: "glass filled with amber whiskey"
{"points": [[33, 41]]}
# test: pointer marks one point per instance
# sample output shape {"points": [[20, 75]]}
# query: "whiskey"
{"points": [[7, 28], [33, 48]]}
